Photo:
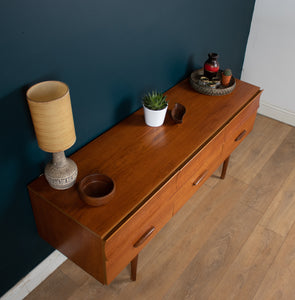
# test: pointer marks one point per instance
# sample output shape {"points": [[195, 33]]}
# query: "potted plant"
{"points": [[155, 107], [226, 77]]}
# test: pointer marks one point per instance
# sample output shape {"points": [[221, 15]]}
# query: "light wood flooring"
{"points": [[234, 239]]}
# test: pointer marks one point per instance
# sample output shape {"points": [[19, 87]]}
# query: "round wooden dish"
{"points": [[207, 90], [96, 189]]}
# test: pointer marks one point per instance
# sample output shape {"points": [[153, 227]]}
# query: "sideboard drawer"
{"points": [[124, 244], [198, 170], [195, 169], [240, 127]]}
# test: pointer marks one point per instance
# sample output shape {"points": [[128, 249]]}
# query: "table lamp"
{"points": [[51, 112]]}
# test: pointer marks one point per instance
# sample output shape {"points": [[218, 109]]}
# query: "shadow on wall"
{"points": [[184, 72], [21, 161], [124, 108], [190, 66]]}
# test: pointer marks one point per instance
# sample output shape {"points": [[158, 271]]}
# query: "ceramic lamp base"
{"points": [[62, 172]]}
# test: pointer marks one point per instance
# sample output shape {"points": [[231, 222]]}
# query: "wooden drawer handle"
{"points": [[200, 178], [241, 135], [144, 237]]}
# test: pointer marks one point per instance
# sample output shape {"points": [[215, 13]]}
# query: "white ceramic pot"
{"points": [[154, 118]]}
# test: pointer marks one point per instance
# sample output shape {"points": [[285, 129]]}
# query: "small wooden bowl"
{"points": [[96, 189], [178, 112]]}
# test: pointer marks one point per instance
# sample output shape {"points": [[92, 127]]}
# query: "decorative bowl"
{"points": [[96, 189], [217, 90]]}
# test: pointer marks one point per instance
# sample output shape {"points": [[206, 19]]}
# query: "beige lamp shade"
{"points": [[51, 111]]}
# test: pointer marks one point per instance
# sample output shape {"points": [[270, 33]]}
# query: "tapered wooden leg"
{"points": [[224, 168], [134, 268]]}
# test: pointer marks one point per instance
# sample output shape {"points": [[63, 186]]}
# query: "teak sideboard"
{"points": [[155, 171]]}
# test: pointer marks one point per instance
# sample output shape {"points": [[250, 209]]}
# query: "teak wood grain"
{"points": [[142, 161]]}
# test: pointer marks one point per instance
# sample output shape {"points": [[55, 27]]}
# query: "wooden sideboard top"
{"points": [[140, 159]]}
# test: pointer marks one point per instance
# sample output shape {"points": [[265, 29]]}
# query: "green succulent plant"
{"points": [[155, 100], [227, 72]]}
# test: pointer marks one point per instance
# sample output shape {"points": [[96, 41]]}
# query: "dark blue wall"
{"points": [[109, 52]]}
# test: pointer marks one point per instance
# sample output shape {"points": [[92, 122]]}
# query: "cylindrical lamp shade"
{"points": [[51, 111]]}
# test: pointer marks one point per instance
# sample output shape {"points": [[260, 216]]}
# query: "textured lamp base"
{"points": [[62, 172]]}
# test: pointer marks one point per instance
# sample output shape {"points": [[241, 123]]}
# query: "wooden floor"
{"points": [[234, 239]]}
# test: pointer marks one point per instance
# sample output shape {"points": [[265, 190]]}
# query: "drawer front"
{"points": [[122, 246], [188, 189], [197, 171], [242, 124]]}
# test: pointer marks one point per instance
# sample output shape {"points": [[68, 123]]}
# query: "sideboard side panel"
{"points": [[76, 242]]}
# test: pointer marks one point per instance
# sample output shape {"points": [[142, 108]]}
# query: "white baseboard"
{"points": [[277, 113], [35, 277]]}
